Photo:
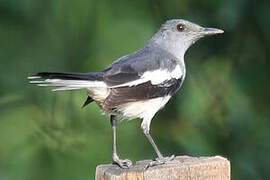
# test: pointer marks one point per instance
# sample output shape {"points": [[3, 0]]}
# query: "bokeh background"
{"points": [[222, 108]]}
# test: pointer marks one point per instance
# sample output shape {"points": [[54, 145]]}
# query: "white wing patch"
{"points": [[156, 77]]}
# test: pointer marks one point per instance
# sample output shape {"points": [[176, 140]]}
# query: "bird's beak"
{"points": [[210, 31]]}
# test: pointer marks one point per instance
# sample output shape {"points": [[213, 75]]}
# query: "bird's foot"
{"points": [[123, 163], [160, 161]]}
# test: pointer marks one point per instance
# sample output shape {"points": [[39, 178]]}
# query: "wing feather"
{"points": [[141, 67], [140, 92]]}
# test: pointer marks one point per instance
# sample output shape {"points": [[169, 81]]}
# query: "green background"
{"points": [[221, 109]]}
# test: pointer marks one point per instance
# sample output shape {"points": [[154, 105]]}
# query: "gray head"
{"points": [[177, 35]]}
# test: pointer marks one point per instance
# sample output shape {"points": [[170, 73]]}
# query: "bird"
{"points": [[137, 85]]}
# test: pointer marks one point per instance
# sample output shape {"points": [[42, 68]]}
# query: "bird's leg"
{"points": [[160, 160], [123, 163]]}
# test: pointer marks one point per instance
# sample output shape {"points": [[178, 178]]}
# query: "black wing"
{"points": [[131, 67], [141, 92]]}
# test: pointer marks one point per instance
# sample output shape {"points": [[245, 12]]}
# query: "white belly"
{"points": [[142, 109]]}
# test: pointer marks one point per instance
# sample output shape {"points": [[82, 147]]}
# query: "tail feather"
{"points": [[88, 101], [68, 81], [69, 76]]}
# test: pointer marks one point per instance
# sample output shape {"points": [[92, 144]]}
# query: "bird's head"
{"points": [[178, 35]]}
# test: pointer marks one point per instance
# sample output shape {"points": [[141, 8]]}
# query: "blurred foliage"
{"points": [[222, 108]]}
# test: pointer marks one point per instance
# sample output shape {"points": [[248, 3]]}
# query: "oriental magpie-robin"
{"points": [[139, 84]]}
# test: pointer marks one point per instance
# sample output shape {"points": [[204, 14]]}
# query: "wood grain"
{"points": [[182, 168]]}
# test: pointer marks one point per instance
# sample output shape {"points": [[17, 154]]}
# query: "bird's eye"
{"points": [[180, 27]]}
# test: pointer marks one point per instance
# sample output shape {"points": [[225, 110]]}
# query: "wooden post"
{"points": [[182, 168]]}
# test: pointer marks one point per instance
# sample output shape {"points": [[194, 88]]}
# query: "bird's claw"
{"points": [[123, 163], [159, 161]]}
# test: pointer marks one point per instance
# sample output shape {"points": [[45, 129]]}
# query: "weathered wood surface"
{"points": [[182, 168]]}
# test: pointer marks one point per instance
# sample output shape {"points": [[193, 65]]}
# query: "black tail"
{"points": [[94, 76], [68, 81]]}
